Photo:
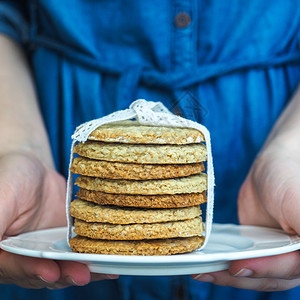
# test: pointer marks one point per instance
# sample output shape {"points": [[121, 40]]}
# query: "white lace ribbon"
{"points": [[146, 113]]}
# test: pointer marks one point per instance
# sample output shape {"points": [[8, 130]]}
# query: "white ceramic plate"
{"points": [[227, 242]]}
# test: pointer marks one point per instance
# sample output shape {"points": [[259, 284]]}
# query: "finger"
{"points": [[67, 281], [284, 266], [97, 277], [224, 278], [78, 274], [27, 272], [74, 273]]}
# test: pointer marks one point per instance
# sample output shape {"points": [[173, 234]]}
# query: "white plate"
{"points": [[227, 242]]}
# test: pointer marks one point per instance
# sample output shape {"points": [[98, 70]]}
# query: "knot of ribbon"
{"points": [[146, 113]]}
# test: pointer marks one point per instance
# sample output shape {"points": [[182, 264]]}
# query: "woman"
{"points": [[232, 66]]}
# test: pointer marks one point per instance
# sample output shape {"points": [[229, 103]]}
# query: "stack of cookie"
{"points": [[140, 190]]}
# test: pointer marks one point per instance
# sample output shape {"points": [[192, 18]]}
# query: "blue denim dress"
{"points": [[231, 65]]}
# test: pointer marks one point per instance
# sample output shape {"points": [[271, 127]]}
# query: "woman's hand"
{"points": [[32, 196], [32, 193], [270, 196]]}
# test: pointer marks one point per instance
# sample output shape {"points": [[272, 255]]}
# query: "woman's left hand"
{"points": [[270, 196]]}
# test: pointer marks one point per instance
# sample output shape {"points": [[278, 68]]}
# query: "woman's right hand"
{"points": [[32, 193], [32, 197]]}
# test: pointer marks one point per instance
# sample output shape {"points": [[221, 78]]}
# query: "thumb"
{"points": [[18, 182], [271, 200], [8, 209], [290, 206], [251, 210]]}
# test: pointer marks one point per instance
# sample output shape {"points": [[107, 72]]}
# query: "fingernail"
{"points": [[244, 273], [43, 279], [204, 277], [72, 281], [196, 276], [112, 276]]}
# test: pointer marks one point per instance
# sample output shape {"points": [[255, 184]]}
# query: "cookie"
{"points": [[147, 201], [134, 133], [151, 177], [90, 212], [115, 170], [106, 231], [142, 154], [144, 247], [190, 184]]}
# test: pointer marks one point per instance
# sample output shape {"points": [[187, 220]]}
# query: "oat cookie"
{"points": [[144, 247], [150, 201], [190, 184], [135, 133], [115, 170], [192, 227], [142, 154], [90, 212]]}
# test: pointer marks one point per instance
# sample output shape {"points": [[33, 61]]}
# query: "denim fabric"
{"points": [[233, 68], [13, 21]]}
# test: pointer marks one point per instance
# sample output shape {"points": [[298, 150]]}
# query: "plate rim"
{"points": [[199, 258]]}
